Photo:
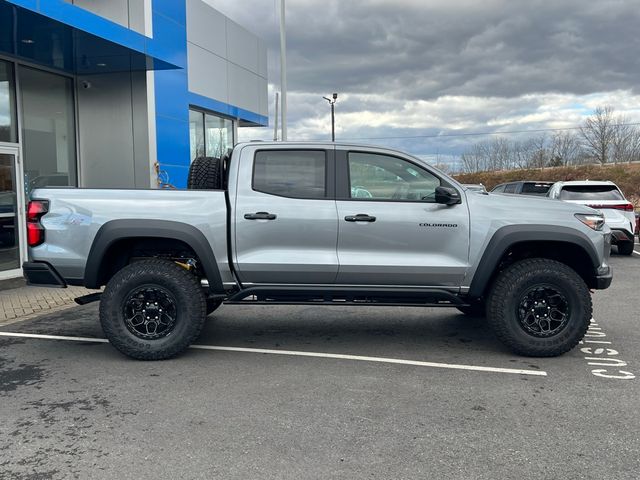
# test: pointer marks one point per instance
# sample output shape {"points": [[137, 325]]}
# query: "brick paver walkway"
{"points": [[23, 302]]}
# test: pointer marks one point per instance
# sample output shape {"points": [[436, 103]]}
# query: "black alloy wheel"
{"points": [[150, 312], [539, 307], [152, 309], [543, 311]]}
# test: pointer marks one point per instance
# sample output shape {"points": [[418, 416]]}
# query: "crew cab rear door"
{"points": [[391, 231], [285, 220]]}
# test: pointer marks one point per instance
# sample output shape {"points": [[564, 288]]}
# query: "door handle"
{"points": [[260, 216], [361, 217]]}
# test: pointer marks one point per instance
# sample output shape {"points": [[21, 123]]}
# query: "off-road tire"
{"points": [[506, 295], [190, 307], [212, 305], [205, 173], [625, 248]]}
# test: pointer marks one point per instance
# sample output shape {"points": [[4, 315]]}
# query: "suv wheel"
{"points": [[625, 248], [539, 307], [152, 309]]}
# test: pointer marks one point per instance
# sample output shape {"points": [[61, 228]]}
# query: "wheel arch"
{"points": [[516, 242], [119, 232]]}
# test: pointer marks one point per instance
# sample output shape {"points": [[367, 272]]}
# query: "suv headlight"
{"points": [[591, 220]]}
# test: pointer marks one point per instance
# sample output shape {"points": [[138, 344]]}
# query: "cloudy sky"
{"points": [[421, 75]]}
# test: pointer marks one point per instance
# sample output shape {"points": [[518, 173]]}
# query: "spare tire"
{"points": [[205, 173]]}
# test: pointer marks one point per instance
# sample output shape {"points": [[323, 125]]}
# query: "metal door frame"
{"points": [[13, 149]]}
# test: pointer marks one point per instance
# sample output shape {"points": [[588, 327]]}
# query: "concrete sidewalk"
{"points": [[22, 302]]}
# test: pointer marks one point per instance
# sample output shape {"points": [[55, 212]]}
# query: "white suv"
{"points": [[608, 199]]}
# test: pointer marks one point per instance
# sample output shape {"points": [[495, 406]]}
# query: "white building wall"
{"points": [[226, 62], [128, 13]]}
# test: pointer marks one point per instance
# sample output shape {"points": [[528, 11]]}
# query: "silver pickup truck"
{"points": [[319, 223]]}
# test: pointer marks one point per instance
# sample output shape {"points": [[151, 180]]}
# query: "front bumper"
{"points": [[604, 277], [42, 274]]}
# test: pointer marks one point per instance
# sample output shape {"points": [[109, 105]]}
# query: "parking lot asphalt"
{"points": [[79, 409]]}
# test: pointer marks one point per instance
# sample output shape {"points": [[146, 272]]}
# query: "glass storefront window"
{"points": [[48, 129], [218, 135], [196, 134], [7, 104], [209, 134]]}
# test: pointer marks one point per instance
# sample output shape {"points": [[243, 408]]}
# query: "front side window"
{"points": [[290, 173], [381, 177], [510, 188]]}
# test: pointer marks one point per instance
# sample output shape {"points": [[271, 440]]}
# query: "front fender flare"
{"points": [[506, 237]]}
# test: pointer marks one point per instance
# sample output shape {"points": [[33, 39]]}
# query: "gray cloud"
{"points": [[423, 49], [428, 67]]}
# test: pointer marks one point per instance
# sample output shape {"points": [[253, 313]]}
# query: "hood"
{"points": [[536, 209]]}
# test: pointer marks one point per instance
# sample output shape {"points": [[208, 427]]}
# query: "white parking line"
{"points": [[337, 356], [637, 253]]}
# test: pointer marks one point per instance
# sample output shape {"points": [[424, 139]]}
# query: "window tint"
{"points": [[510, 188], [535, 188], [290, 173], [590, 192], [380, 177]]}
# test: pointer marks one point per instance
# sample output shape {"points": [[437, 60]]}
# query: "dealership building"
{"points": [[117, 94]]}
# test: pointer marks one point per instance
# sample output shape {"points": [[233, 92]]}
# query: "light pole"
{"points": [[332, 102], [283, 71]]}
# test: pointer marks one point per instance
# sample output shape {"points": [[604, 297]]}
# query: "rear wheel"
{"points": [[539, 307], [625, 248], [152, 309]]}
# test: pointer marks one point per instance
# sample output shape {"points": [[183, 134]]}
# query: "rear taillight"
{"points": [[627, 207], [35, 230]]}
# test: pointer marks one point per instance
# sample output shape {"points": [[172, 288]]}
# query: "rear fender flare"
{"points": [[116, 230]]}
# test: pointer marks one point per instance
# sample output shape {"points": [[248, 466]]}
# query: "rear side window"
{"points": [[291, 173], [535, 188], [510, 188], [590, 192]]}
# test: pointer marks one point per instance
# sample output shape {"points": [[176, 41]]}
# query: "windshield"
{"points": [[590, 192]]}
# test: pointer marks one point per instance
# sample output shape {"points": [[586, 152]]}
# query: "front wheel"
{"points": [[152, 309], [539, 307]]}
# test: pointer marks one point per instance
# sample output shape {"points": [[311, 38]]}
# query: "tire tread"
{"points": [[503, 290]]}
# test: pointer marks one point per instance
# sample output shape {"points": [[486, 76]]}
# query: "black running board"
{"points": [[92, 297], [265, 295]]}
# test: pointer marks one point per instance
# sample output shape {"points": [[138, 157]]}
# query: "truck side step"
{"points": [[345, 296], [92, 297]]}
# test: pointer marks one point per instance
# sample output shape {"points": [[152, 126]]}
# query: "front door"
{"points": [[391, 231], [11, 214], [286, 225]]}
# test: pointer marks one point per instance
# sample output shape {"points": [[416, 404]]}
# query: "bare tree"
{"points": [[565, 149], [598, 133]]}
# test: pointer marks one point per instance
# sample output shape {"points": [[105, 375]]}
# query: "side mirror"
{"points": [[447, 196]]}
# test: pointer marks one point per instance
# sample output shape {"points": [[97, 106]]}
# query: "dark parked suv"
{"points": [[524, 188]]}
